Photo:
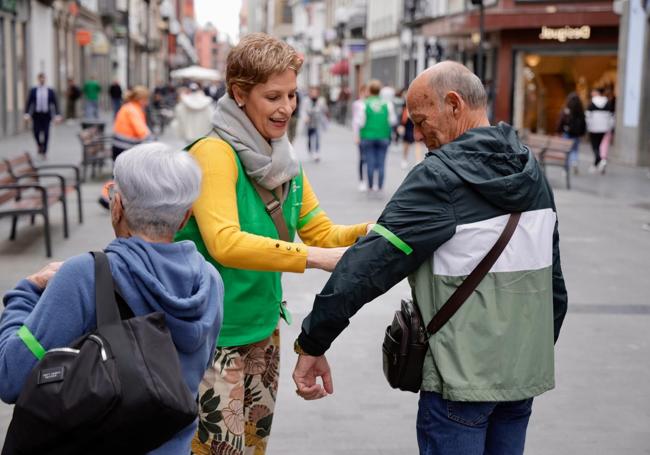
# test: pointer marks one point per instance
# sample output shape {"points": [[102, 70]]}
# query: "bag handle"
{"points": [[274, 209], [107, 310], [468, 286]]}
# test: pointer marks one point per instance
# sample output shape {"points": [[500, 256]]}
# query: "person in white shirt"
{"points": [[358, 116]]}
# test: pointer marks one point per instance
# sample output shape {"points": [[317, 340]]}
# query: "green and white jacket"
{"points": [[443, 219]]}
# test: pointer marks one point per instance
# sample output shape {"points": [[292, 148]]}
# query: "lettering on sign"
{"points": [[565, 33]]}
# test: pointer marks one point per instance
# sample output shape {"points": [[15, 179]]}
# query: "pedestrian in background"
{"points": [[316, 119], [41, 108], [408, 139], [572, 126], [193, 114], [115, 92], [150, 199], [376, 123], [600, 120], [485, 365], [91, 90], [358, 116], [250, 155], [129, 129], [72, 95]]}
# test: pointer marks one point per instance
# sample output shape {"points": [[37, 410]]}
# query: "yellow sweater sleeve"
{"points": [[216, 214], [315, 227]]}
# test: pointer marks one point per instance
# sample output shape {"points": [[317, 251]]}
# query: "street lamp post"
{"points": [[481, 31]]}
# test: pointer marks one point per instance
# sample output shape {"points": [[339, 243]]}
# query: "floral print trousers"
{"points": [[237, 399]]}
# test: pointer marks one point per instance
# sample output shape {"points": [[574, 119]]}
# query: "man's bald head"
{"points": [[448, 76], [444, 101]]}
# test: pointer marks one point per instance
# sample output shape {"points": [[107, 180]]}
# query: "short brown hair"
{"points": [[256, 58], [139, 92], [374, 87]]}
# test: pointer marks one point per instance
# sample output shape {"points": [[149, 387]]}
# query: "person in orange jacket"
{"points": [[129, 129]]}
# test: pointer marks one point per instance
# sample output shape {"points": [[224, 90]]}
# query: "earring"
{"points": [[240, 105]]}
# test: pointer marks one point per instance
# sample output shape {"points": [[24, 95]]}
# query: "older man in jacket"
{"points": [[485, 365]]}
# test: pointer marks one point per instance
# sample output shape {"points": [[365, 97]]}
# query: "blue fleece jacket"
{"points": [[169, 277]]}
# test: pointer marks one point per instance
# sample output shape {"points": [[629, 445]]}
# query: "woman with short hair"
{"points": [[249, 150], [151, 199]]}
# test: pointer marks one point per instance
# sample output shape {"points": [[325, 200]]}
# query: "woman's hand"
{"points": [[43, 276], [324, 258], [369, 228]]}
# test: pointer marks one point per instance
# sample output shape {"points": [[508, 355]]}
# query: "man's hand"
{"points": [[43, 276], [58, 119], [369, 228], [307, 370], [27, 117]]}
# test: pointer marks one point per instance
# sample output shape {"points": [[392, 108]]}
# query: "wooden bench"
{"points": [[95, 151], [17, 199], [23, 167], [551, 151]]}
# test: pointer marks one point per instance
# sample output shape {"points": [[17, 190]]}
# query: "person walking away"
{"points": [[41, 108], [249, 154], [91, 90], [376, 124], [485, 365], [115, 92], [609, 136], [572, 126], [295, 118], [193, 114], [129, 129], [358, 116], [409, 140], [72, 95], [316, 112], [151, 198], [600, 120]]}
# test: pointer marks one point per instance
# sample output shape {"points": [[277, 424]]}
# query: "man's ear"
{"points": [[186, 218], [454, 103]]}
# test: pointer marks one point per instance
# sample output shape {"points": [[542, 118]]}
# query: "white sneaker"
{"points": [[592, 169], [404, 165], [362, 186], [601, 166]]}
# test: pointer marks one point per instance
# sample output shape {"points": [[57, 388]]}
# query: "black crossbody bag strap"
{"points": [[473, 279]]}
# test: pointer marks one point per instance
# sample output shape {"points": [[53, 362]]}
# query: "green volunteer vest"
{"points": [[377, 123], [253, 299]]}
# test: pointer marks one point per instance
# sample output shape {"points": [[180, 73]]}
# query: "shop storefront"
{"points": [[557, 61], [538, 68]]}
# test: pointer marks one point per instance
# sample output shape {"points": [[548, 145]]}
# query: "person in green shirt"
{"points": [[91, 91]]}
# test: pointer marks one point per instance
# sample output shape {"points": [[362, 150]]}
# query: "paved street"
{"points": [[601, 404]]}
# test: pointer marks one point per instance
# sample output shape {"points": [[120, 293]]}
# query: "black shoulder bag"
{"points": [[406, 340], [118, 389]]}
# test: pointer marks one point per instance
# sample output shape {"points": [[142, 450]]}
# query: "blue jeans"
{"points": [[374, 151], [91, 109], [313, 140], [573, 153], [471, 428]]}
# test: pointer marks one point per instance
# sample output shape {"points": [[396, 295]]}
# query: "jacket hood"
{"points": [[493, 162], [196, 101], [172, 278]]}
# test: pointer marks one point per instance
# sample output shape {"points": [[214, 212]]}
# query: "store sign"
{"points": [[564, 34]]}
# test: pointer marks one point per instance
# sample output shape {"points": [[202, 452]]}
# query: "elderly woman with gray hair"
{"points": [[254, 198], [150, 200]]}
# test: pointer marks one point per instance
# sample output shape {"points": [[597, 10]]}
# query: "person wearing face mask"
{"points": [[249, 154]]}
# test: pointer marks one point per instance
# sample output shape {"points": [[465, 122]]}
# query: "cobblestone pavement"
{"points": [[601, 404]]}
